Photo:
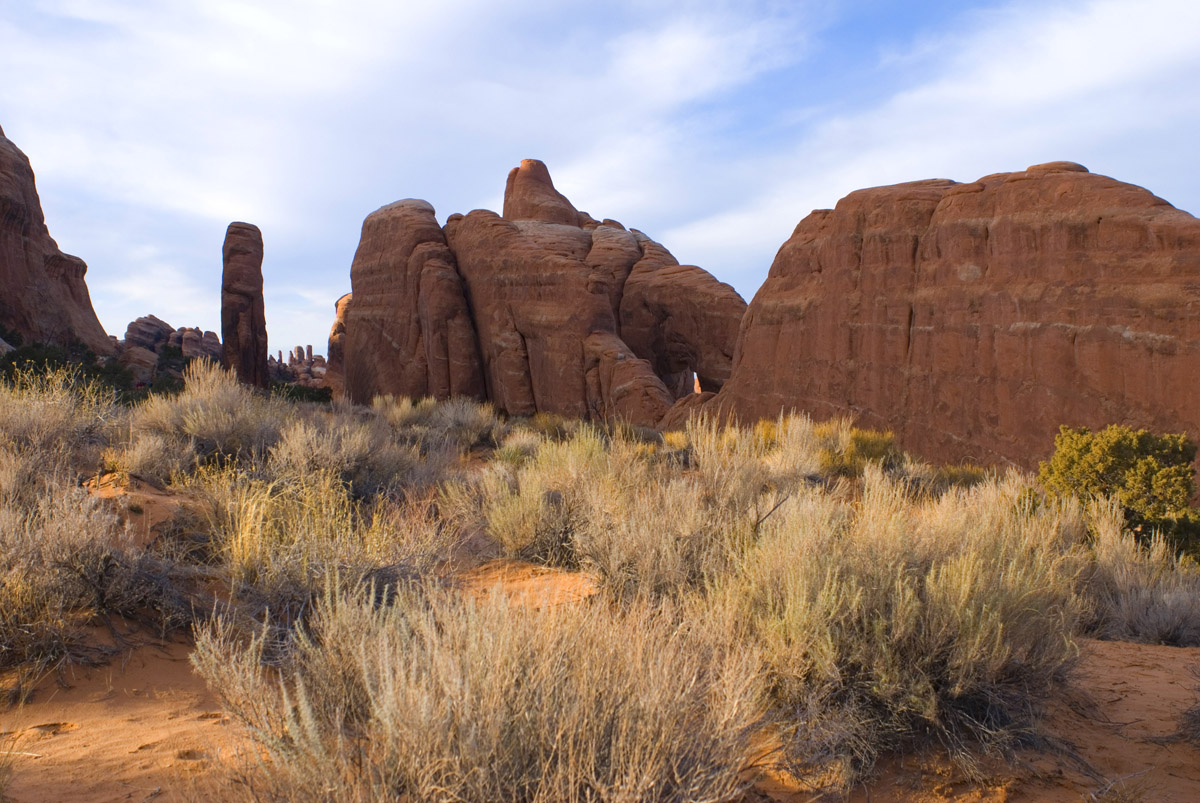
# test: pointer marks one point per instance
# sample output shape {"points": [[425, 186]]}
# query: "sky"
{"points": [[712, 125]]}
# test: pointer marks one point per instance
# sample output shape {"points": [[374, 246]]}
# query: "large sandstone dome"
{"points": [[975, 319], [541, 309]]}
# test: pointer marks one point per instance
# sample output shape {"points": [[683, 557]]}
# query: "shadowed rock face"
{"points": [[43, 295], [975, 319], [529, 310], [335, 367], [243, 322], [407, 329]]}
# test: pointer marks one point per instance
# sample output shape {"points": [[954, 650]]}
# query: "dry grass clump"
{"points": [[279, 543], [61, 566], [363, 453], [458, 423], [533, 509], [1189, 721], [437, 697], [214, 417], [885, 621], [610, 503], [846, 450], [52, 426], [151, 456], [1140, 589]]}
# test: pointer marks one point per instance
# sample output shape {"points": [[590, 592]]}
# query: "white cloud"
{"points": [[1102, 82]]}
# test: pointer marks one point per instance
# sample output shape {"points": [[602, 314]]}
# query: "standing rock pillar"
{"points": [[243, 323]]}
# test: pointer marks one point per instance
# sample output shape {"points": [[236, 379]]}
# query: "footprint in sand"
{"points": [[47, 729], [191, 755]]}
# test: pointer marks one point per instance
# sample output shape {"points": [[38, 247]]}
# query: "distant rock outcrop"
{"points": [[145, 351], [975, 319], [300, 367], [43, 295], [243, 322], [543, 309], [335, 365]]}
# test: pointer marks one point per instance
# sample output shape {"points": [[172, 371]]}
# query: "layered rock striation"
{"points": [[541, 309], [43, 295], [975, 319], [243, 321]]}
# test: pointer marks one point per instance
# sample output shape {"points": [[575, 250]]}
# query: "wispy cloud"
{"points": [[1106, 83]]}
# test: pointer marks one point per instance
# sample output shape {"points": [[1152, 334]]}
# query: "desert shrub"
{"points": [[660, 538], [363, 453], [465, 424], [1151, 476], [281, 542], [534, 510], [149, 456], [517, 447], [215, 416], [39, 359], [404, 413], [848, 449], [1139, 588], [52, 425], [886, 620], [292, 392], [1189, 720], [61, 565], [925, 478], [443, 698], [459, 423], [550, 426], [729, 463]]}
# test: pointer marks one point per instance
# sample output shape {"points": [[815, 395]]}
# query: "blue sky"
{"points": [[712, 126]]}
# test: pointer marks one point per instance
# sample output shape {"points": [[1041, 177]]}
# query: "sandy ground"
{"points": [[143, 728], [146, 727], [1109, 731]]}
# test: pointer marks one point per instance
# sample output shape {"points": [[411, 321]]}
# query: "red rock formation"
{"points": [[335, 370], [682, 319], [529, 194], [975, 319], [528, 309], [402, 276], [43, 295], [243, 322], [148, 332]]}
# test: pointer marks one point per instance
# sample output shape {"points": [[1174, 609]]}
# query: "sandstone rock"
{"points": [[527, 310], [529, 194], [141, 362], [975, 319], [150, 332], [385, 347], [190, 344], [335, 365], [243, 322], [619, 385], [4, 347], [532, 309], [43, 295], [683, 320]]}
